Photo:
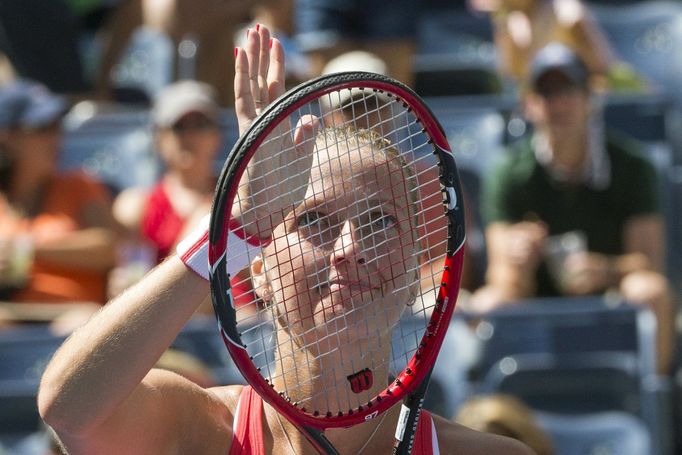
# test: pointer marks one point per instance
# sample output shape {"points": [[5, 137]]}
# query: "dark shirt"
{"points": [[519, 188]]}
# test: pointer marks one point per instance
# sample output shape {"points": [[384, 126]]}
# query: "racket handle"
{"points": [[409, 418], [193, 249], [319, 441]]}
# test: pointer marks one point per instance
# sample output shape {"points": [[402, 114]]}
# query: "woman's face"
{"points": [[344, 261], [191, 143], [35, 151], [558, 105]]}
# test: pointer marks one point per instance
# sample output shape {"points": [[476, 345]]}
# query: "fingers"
{"points": [[253, 51], [243, 99], [252, 75], [263, 64], [276, 74], [305, 132]]}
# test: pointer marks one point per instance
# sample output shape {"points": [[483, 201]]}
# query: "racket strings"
{"points": [[258, 324]]}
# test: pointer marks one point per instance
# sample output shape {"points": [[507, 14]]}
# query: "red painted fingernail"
{"points": [[257, 27], [270, 43], [236, 51]]}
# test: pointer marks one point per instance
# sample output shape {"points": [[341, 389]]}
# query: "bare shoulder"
{"points": [[229, 395], [456, 438]]}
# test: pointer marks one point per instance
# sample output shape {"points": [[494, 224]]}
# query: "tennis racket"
{"points": [[356, 233]]}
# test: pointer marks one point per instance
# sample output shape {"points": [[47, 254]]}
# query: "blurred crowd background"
{"points": [[116, 116]]}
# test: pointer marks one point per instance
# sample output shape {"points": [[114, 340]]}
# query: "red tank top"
{"points": [[247, 436]]}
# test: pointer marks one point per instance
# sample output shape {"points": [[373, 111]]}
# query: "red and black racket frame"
{"points": [[409, 384]]}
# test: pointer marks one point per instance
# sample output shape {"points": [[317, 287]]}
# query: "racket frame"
{"points": [[420, 365]]}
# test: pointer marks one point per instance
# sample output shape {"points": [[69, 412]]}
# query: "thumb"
{"points": [[305, 133]]}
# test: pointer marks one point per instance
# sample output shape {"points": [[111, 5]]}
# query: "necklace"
{"points": [[383, 417], [364, 446]]}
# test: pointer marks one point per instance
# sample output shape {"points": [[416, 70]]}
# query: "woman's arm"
{"points": [[514, 254], [98, 393], [90, 248]]}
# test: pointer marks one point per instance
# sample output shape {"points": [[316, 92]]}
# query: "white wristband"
{"points": [[193, 250]]}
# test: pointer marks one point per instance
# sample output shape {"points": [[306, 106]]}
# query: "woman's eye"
{"points": [[309, 220], [382, 221]]}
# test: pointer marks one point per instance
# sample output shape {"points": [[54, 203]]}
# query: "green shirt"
{"points": [[519, 188]]}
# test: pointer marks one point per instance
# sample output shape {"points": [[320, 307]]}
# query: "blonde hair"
{"points": [[360, 138]]}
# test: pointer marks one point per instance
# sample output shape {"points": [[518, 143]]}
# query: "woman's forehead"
{"points": [[351, 159], [336, 168]]}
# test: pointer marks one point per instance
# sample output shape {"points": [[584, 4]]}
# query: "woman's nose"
{"points": [[349, 246]]}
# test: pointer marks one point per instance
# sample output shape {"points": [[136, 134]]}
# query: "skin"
{"points": [[97, 406]]}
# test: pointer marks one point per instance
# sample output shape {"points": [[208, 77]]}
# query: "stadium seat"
{"points": [[569, 383], [560, 351], [648, 35], [564, 325], [24, 353], [603, 433], [455, 54]]}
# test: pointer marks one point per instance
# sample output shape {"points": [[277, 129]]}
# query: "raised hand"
{"points": [[277, 175]]}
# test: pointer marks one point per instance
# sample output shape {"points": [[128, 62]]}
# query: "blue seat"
{"points": [[575, 355], [455, 53], [564, 325], [648, 35], [604, 433], [570, 383], [24, 353]]}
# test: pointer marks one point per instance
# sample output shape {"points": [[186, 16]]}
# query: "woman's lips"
{"points": [[353, 287]]}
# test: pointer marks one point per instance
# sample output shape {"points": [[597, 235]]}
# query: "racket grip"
{"points": [[193, 249]]}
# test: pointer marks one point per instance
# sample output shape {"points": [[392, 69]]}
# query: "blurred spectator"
{"points": [[507, 416], [572, 209], [185, 117], [354, 105], [40, 40], [206, 28], [278, 15], [522, 27], [328, 28], [57, 230]]}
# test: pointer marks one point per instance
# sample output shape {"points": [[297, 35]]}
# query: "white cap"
{"points": [[356, 61], [352, 61], [181, 98]]}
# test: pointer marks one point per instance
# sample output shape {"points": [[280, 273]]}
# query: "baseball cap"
{"points": [[181, 98], [30, 105], [352, 61], [560, 58]]}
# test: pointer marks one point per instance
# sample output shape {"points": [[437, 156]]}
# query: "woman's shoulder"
{"points": [[229, 395], [129, 206], [457, 438]]}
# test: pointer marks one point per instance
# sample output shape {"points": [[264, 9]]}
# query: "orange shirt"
{"points": [[66, 196]]}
